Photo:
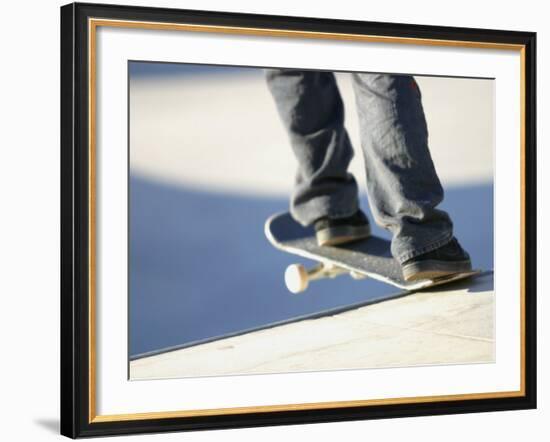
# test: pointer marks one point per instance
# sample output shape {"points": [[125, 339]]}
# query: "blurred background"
{"points": [[210, 162]]}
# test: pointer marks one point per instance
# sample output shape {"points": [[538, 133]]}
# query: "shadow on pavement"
{"points": [[200, 265]]}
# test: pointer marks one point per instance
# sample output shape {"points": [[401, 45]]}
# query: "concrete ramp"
{"points": [[445, 325]]}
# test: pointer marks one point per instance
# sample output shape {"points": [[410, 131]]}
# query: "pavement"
{"points": [[222, 132], [453, 324]]}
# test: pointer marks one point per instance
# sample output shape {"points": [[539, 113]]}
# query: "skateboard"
{"points": [[368, 258]]}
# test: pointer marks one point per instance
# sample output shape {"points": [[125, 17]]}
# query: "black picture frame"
{"points": [[77, 418]]}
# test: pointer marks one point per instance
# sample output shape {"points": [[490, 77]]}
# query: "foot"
{"points": [[447, 260], [330, 232]]}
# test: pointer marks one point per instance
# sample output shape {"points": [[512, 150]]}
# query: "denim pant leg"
{"points": [[403, 187], [312, 112]]}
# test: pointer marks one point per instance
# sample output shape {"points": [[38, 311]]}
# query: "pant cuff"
{"points": [[320, 207], [417, 251]]}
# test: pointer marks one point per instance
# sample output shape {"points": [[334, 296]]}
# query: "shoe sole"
{"points": [[342, 235], [432, 269]]}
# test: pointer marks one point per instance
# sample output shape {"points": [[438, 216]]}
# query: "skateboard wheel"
{"points": [[296, 278]]}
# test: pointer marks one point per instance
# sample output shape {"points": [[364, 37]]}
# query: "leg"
{"points": [[403, 186], [312, 112]]}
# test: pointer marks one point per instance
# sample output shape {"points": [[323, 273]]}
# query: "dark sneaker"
{"points": [[330, 232], [448, 259]]}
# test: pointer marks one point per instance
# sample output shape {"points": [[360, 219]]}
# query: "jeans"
{"points": [[402, 185]]}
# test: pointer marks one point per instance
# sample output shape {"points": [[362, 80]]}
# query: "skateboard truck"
{"points": [[297, 277]]}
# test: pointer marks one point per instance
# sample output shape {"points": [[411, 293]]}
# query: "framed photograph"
{"points": [[272, 220]]}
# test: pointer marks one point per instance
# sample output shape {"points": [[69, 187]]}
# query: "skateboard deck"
{"points": [[364, 258]]}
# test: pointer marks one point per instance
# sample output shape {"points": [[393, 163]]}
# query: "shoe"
{"points": [[330, 232], [446, 260]]}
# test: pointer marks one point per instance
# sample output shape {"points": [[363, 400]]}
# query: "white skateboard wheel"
{"points": [[296, 278]]}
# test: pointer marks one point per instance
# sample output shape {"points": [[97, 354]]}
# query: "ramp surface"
{"points": [[443, 325]]}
